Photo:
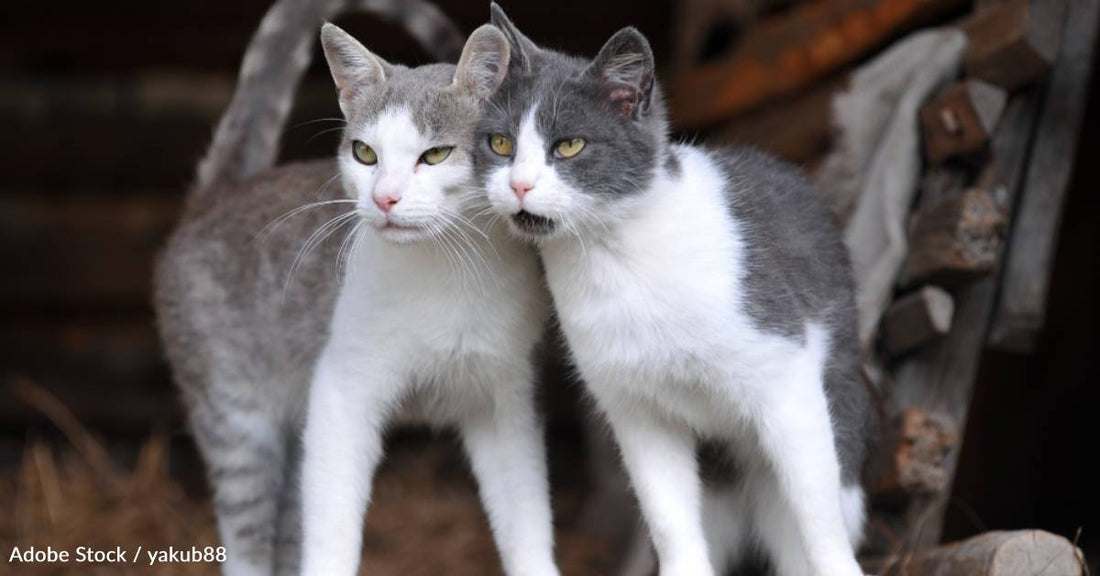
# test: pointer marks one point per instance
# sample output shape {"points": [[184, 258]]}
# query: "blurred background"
{"points": [[105, 109]]}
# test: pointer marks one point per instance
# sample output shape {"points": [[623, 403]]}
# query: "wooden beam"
{"points": [[961, 119], [791, 51], [1021, 309], [1015, 553], [81, 250], [1014, 43], [916, 319]]}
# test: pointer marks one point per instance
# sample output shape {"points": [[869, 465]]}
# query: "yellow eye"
{"points": [[569, 148], [363, 153], [500, 144], [436, 155]]}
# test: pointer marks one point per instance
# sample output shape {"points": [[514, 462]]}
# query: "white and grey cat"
{"points": [[435, 320], [705, 295]]}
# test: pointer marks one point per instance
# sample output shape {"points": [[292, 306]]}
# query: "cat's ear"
{"points": [[625, 70], [354, 68], [524, 51], [484, 62]]}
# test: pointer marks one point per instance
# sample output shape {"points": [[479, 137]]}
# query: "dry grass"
{"points": [[426, 519]]}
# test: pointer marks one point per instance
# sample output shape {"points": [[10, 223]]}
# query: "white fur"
{"points": [[416, 337], [647, 296]]}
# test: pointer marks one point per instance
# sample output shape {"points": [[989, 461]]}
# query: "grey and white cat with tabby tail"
{"points": [[250, 316]]}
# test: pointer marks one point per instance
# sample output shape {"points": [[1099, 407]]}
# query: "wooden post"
{"points": [[1021, 309]]}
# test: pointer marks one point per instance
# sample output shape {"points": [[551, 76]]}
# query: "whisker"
{"points": [[317, 237], [270, 227]]}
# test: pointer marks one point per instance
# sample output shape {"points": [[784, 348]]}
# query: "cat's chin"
{"points": [[403, 234], [532, 227]]}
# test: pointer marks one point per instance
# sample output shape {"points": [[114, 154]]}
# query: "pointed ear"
{"points": [[354, 68], [524, 51], [484, 62], [625, 70]]}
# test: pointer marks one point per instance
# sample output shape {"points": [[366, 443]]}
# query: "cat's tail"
{"points": [[246, 140]]}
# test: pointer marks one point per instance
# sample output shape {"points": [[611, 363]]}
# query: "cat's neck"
{"points": [[684, 200]]}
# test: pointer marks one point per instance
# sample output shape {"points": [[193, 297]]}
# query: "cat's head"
{"points": [[569, 145], [406, 155]]}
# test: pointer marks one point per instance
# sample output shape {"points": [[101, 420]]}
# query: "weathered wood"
{"points": [[142, 131], [915, 460], [1015, 553], [1021, 308], [81, 249], [939, 378], [916, 319], [1014, 43], [798, 129], [789, 52], [961, 120], [954, 240]]}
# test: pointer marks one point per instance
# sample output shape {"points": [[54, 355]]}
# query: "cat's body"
{"points": [[248, 326], [703, 296]]}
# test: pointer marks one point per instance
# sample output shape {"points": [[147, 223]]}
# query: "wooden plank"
{"points": [[939, 378], [83, 250], [787, 53], [108, 370], [147, 130], [1021, 309]]}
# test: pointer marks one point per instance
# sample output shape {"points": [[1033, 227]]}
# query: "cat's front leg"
{"points": [[508, 456], [659, 456], [796, 437], [347, 414]]}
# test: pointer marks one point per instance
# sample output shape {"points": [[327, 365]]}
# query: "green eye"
{"points": [[364, 154], [569, 148], [436, 155], [500, 144]]}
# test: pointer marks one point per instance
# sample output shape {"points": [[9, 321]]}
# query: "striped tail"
{"points": [[246, 140]]}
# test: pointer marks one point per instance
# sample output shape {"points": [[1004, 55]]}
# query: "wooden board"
{"points": [[787, 53], [1021, 309], [83, 250]]}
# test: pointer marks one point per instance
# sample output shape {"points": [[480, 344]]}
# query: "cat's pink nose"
{"points": [[521, 188], [385, 202]]}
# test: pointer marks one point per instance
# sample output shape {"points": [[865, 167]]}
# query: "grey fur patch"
{"points": [[797, 270]]}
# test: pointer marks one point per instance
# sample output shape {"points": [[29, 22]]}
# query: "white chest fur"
{"points": [[658, 301]]}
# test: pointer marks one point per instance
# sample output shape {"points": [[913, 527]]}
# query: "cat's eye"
{"points": [[501, 144], [436, 155], [363, 153], [569, 147]]}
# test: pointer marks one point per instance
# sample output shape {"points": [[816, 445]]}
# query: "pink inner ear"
{"points": [[624, 97]]}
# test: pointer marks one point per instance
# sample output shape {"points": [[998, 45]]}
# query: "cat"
{"points": [[705, 295], [418, 332], [244, 319]]}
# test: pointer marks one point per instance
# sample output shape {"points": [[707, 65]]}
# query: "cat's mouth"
{"points": [[390, 225], [533, 224]]}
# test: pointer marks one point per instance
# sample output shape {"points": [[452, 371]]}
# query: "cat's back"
{"points": [[796, 264], [220, 279]]}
